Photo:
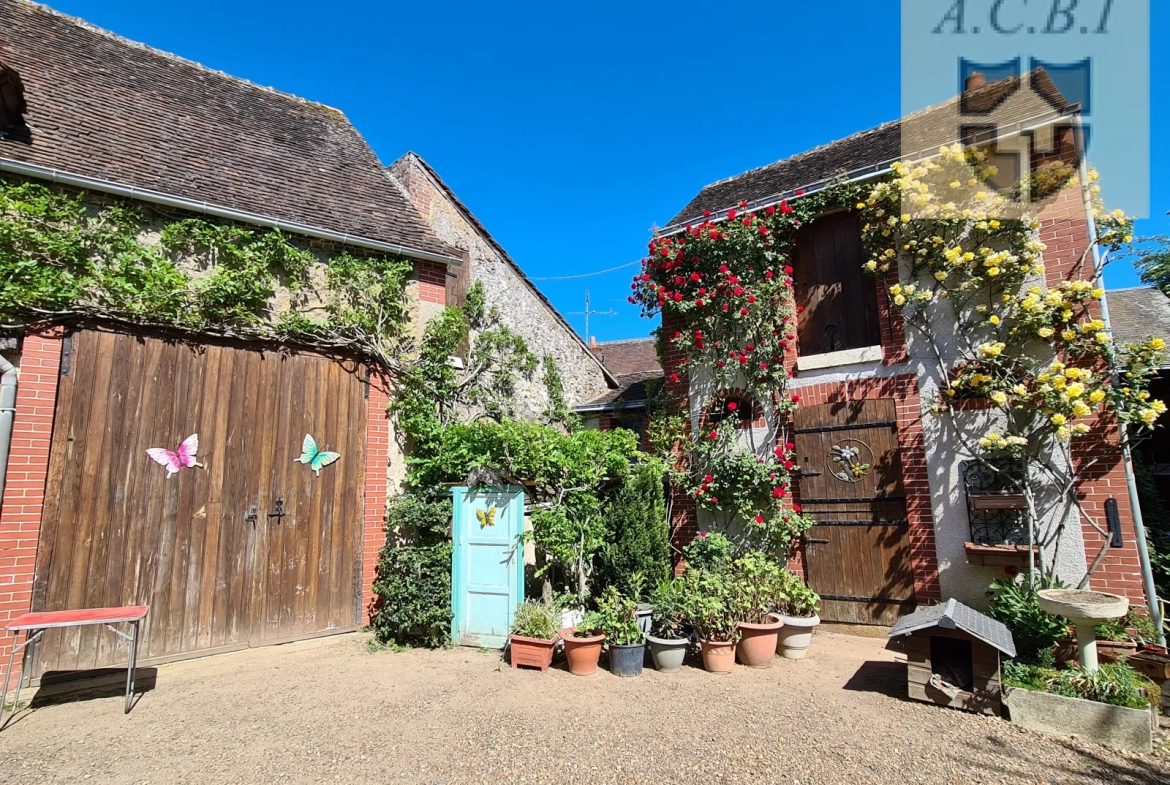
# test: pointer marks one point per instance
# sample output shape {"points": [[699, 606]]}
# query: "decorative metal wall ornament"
{"points": [[316, 459], [176, 459], [486, 518], [853, 460]]}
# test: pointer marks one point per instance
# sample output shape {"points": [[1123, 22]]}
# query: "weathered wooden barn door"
{"points": [[858, 556], [198, 546]]}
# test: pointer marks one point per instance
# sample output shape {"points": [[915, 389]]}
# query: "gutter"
{"points": [[606, 407], [205, 208], [8, 379], [1139, 525]]}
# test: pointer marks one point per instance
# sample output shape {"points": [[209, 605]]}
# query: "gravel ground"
{"points": [[329, 711]]}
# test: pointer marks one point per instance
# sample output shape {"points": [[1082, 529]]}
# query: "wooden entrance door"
{"points": [[205, 548], [858, 556]]}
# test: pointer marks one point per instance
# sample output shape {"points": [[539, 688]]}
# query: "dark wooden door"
{"points": [[116, 530], [858, 556], [838, 298]]}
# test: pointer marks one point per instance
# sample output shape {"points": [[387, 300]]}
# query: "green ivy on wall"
{"points": [[65, 256]]}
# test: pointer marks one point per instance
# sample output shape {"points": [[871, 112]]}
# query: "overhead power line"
{"points": [[586, 275]]}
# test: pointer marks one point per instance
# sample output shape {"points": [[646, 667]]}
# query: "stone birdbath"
{"points": [[1085, 609]]}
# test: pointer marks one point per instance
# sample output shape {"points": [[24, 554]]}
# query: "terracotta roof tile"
{"points": [[878, 147], [111, 109]]}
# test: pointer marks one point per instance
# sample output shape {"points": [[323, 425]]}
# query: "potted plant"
{"points": [[798, 611], [707, 612], [616, 618], [583, 645], [535, 631], [669, 640], [754, 588]]}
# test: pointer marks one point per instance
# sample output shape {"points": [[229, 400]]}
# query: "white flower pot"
{"points": [[796, 635]]}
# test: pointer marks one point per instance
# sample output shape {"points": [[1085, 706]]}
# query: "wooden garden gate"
{"points": [[858, 555], [249, 548]]}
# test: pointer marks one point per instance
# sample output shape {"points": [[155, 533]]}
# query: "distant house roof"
{"points": [[610, 376], [954, 615], [102, 107], [633, 391], [1138, 313], [635, 355], [874, 150]]}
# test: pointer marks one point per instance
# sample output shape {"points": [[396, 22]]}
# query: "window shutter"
{"points": [[839, 298], [458, 281]]}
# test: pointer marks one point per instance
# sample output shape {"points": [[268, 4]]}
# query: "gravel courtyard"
{"points": [[330, 711]]}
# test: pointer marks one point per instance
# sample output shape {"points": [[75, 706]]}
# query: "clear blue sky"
{"points": [[571, 131]]}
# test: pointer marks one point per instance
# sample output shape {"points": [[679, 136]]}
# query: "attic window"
{"points": [[12, 105]]}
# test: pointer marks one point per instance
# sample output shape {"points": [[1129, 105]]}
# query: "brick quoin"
{"points": [[28, 466], [377, 484], [1064, 228], [432, 282]]}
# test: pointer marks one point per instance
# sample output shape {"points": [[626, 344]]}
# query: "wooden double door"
{"points": [[247, 548], [857, 557]]}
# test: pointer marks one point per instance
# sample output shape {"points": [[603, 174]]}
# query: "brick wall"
{"points": [[28, 464]]}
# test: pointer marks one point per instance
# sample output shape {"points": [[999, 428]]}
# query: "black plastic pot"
{"points": [[626, 660]]}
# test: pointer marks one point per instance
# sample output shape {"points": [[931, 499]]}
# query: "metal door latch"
{"points": [[278, 511], [252, 515]]}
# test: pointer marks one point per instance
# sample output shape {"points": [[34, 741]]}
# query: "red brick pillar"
{"points": [[28, 466], [377, 484]]}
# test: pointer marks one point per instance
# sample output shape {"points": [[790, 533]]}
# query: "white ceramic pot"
{"points": [[796, 635]]}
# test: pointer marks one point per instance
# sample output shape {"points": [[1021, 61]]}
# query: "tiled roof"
{"points": [[878, 147], [633, 390], [636, 355], [954, 615], [106, 108], [1138, 314]]}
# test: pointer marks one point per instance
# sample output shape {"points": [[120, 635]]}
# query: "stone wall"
{"points": [[522, 308]]}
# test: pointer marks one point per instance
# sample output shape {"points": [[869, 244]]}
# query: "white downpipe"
{"points": [[8, 381]]}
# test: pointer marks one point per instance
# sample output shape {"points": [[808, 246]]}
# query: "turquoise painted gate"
{"points": [[487, 569]]}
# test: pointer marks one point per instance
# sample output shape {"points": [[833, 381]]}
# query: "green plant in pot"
{"points": [[798, 610], [755, 585], [669, 638], [536, 629], [616, 617], [583, 644], [707, 612]]}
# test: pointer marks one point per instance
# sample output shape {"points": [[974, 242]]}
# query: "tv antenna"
{"points": [[587, 312]]}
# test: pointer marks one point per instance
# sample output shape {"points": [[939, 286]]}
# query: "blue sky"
{"points": [[569, 131]]}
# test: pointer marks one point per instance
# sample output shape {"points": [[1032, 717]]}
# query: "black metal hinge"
{"points": [[861, 426], [66, 354]]}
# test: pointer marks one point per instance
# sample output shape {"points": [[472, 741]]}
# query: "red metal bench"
{"points": [[35, 624]]}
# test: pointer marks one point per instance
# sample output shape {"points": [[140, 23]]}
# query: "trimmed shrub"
{"points": [[636, 557]]}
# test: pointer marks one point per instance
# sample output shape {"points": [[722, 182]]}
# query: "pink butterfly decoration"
{"points": [[177, 459]]}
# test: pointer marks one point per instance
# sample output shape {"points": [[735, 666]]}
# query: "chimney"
{"points": [[592, 342], [975, 81]]}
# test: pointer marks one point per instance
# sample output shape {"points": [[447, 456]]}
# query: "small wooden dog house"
{"points": [[952, 656]]}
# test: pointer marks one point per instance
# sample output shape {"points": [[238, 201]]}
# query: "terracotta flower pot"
{"points": [[582, 653], [1115, 651], [757, 643], [796, 636], [718, 656], [532, 652]]}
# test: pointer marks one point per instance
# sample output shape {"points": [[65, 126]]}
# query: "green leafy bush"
{"points": [[1016, 604], [413, 581], [1113, 683], [668, 616], [536, 619], [799, 599], [755, 587], [637, 549], [709, 551], [616, 618], [706, 595]]}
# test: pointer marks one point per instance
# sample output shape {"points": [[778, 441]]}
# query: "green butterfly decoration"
{"points": [[317, 459], [487, 518]]}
